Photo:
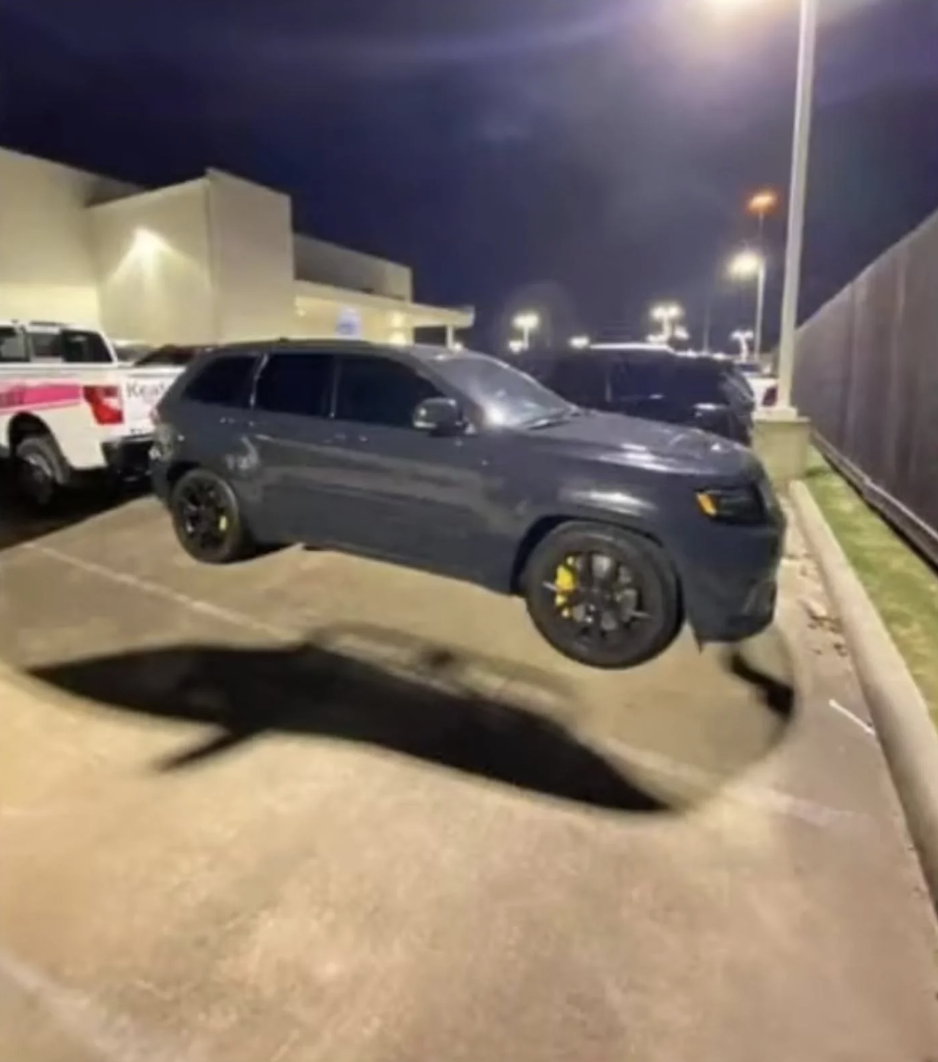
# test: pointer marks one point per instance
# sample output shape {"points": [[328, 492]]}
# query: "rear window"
{"points": [[643, 375], [223, 382], [12, 345], [71, 345], [579, 378], [170, 357]]}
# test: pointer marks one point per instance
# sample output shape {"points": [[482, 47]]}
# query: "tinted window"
{"points": [[705, 383], [70, 345], [379, 391], [223, 382], [12, 345], [295, 383], [642, 376], [579, 378]]}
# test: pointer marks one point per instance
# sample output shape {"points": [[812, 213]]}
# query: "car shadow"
{"points": [[482, 716], [20, 524]]}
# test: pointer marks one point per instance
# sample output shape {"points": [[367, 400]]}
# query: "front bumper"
{"points": [[729, 577]]}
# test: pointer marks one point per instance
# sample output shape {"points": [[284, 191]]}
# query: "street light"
{"points": [[749, 265], [516, 345], [579, 342], [526, 323], [667, 314], [743, 336], [760, 204], [801, 141]]}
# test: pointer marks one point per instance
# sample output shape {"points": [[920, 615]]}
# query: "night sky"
{"points": [[583, 156]]}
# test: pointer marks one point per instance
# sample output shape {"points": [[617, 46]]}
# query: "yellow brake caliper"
{"points": [[564, 584]]}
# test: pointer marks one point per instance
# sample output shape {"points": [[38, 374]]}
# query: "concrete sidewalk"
{"points": [[425, 836]]}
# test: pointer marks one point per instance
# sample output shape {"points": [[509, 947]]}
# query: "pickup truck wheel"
{"points": [[41, 472], [207, 519], [602, 596]]}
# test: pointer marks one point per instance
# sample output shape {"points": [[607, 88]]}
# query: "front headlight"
{"points": [[733, 505]]}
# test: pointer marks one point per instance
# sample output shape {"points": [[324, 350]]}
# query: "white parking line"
{"points": [[855, 719], [108, 1035], [194, 604]]}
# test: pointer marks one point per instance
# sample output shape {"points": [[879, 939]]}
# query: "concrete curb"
{"points": [[900, 715]]}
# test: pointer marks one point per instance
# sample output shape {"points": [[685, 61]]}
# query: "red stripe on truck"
{"points": [[39, 396]]}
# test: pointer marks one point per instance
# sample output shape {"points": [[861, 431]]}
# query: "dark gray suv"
{"points": [[614, 530]]}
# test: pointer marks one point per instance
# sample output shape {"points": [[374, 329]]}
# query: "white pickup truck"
{"points": [[69, 408]]}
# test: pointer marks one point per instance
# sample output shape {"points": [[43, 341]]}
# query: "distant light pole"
{"points": [[760, 204], [527, 323], [667, 315], [748, 265]]}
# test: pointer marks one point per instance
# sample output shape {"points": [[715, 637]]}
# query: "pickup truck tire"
{"points": [[602, 596], [207, 519], [42, 473]]}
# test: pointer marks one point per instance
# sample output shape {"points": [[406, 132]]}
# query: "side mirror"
{"points": [[439, 416]]}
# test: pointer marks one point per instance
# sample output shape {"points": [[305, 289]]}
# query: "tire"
{"points": [[644, 609], [42, 474], [217, 534]]}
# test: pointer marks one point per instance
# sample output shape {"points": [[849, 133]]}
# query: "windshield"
{"points": [[507, 398]]}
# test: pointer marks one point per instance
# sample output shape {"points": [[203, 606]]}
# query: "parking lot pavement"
{"points": [[311, 807]]}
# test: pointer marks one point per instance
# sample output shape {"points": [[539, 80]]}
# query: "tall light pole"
{"points": [[801, 141], [526, 323], [745, 266]]}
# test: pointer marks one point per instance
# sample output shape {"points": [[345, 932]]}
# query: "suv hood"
{"points": [[648, 445]]}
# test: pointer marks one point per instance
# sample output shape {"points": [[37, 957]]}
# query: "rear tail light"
{"points": [[771, 396], [105, 402]]}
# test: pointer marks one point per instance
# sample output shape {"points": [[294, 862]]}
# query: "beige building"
{"points": [[209, 260]]}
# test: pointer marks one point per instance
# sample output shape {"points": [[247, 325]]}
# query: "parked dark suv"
{"points": [[612, 529], [656, 383]]}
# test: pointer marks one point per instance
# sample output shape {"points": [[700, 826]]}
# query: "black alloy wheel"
{"points": [[207, 519], [603, 596]]}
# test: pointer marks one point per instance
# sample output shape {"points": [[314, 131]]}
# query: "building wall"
{"points": [[46, 269], [251, 258], [324, 319], [154, 265], [213, 259], [326, 263]]}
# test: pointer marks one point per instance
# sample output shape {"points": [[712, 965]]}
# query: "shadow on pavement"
{"points": [[19, 524], [480, 715]]}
